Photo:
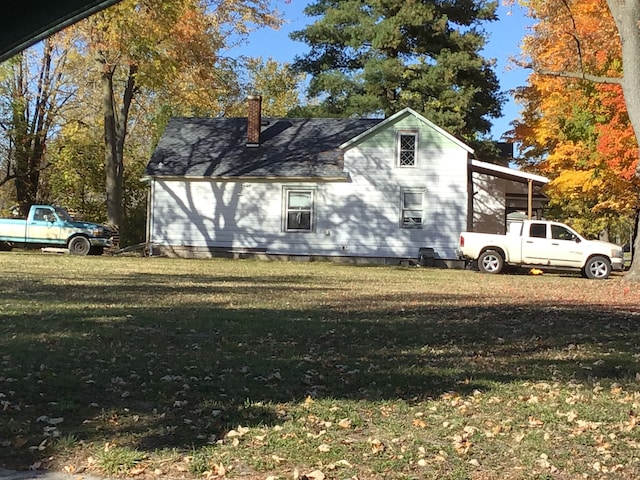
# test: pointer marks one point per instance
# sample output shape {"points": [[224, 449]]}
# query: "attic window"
{"points": [[298, 210], [407, 147]]}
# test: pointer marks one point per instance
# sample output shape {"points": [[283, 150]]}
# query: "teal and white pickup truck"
{"points": [[543, 244], [48, 226]]}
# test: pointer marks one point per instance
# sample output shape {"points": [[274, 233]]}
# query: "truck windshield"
{"points": [[63, 215]]}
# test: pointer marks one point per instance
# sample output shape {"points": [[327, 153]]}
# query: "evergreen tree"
{"points": [[379, 56]]}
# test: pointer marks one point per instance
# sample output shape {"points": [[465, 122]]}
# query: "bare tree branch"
{"points": [[580, 76]]}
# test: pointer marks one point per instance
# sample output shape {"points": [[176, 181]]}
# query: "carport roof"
{"points": [[506, 172], [37, 19]]}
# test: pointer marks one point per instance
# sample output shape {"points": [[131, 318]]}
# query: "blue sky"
{"points": [[504, 42]]}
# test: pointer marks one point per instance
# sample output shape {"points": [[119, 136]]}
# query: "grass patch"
{"points": [[249, 369]]}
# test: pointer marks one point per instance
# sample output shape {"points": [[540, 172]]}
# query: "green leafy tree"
{"points": [[33, 94], [276, 82], [140, 47], [379, 56]]}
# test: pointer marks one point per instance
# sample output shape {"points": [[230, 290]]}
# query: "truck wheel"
{"points": [[5, 247], [79, 246], [597, 268], [490, 261]]}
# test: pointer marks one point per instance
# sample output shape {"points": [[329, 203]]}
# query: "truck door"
{"points": [[535, 244], [43, 226], [565, 249]]}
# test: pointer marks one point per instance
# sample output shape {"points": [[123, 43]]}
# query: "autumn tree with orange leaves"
{"points": [[626, 35], [575, 127]]}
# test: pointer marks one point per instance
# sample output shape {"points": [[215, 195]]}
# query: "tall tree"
{"points": [[626, 14], [33, 97], [379, 56], [276, 82], [150, 45], [584, 41]]}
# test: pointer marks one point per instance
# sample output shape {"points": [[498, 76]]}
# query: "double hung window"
{"points": [[298, 210], [412, 208]]}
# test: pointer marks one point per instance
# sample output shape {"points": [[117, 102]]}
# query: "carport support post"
{"points": [[530, 199]]}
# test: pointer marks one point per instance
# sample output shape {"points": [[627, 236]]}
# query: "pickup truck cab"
{"points": [[48, 226], [538, 243]]}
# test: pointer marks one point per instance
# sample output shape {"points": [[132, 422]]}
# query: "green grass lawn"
{"points": [[166, 368]]}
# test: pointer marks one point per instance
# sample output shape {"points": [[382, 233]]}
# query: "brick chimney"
{"points": [[254, 120]]}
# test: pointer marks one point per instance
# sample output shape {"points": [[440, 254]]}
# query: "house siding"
{"points": [[361, 217]]}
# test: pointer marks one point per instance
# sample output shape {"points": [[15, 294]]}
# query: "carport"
{"points": [[530, 179]]}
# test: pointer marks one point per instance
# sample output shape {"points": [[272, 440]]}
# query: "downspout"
{"points": [[470, 195], [148, 239]]}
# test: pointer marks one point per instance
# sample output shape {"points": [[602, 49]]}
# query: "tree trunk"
{"points": [[115, 132], [112, 163], [29, 132], [626, 14]]}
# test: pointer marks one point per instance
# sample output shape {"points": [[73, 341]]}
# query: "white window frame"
{"points": [[287, 209], [408, 212], [400, 151]]}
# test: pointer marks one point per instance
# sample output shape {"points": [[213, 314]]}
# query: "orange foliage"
{"points": [[574, 131]]}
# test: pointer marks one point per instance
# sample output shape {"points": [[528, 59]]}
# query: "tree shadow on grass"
{"points": [[115, 364]]}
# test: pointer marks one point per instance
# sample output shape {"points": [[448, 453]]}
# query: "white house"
{"points": [[349, 189]]}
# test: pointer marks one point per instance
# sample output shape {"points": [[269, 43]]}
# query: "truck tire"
{"points": [[79, 246], [490, 261], [597, 268]]}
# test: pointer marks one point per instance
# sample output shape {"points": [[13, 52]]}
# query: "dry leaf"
{"points": [[315, 475], [535, 422], [20, 442], [220, 470], [344, 423], [376, 446], [137, 470], [461, 443], [418, 422]]}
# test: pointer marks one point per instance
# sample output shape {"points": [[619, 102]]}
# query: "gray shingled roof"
{"points": [[289, 147]]}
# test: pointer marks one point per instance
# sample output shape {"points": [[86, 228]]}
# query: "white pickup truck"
{"points": [[538, 243]]}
